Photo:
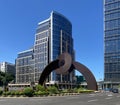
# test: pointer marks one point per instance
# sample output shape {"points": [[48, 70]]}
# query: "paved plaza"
{"points": [[83, 99]]}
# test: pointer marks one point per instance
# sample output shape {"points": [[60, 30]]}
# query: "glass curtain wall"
{"points": [[112, 40]]}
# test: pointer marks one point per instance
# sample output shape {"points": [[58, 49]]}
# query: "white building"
{"points": [[7, 67]]}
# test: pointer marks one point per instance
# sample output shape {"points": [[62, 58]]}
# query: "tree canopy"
{"points": [[5, 78]]}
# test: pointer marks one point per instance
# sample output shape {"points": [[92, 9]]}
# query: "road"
{"points": [[83, 99]]}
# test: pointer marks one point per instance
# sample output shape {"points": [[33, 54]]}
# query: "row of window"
{"points": [[111, 38], [42, 29], [40, 66], [41, 55], [41, 46], [112, 6], [25, 54], [62, 22], [110, 16], [26, 69], [112, 24], [47, 23], [41, 50], [112, 32], [107, 1], [61, 19], [112, 46], [42, 35], [112, 11], [41, 59], [112, 54], [25, 78], [24, 61], [41, 41], [112, 67], [112, 60], [113, 76], [62, 28], [56, 35], [44, 24]]}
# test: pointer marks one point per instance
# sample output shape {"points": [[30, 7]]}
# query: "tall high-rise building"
{"points": [[112, 42], [53, 37]]}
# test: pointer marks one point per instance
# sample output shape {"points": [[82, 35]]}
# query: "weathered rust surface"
{"points": [[64, 65], [48, 69], [65, 62], [89, 77]]}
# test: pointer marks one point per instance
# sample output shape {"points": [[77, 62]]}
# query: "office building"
{"points": [[53, 37], [111, 43], [7, 67], [25, 67]]}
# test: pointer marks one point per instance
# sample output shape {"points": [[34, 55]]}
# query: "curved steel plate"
{"points": [[64, 65], [89, 77], [65, 62]]}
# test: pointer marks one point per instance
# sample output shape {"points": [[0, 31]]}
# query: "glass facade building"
{"points": [[53, 37], [112, 40], [61, 39]]}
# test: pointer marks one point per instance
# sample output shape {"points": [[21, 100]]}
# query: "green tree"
{"points": [[5, 78]]}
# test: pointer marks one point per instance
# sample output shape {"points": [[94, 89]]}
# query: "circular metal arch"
{"points": [[48, 69], [89, 77], [62, 64]]}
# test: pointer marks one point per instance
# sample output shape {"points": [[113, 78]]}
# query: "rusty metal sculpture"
{"points": [[64, 65]]}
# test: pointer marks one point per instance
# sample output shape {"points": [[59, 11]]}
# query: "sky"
{"points": [[19, 19]]}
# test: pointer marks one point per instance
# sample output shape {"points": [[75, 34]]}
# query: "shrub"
{"points": [[70, 90], [81, 90], [35, 93], [52, 90], [18, 93], [8, 93], [40, 88], [75, 90], [65, 91], [41, 93], [28, 91], [21, 93], [4, 93], [12, 93]]}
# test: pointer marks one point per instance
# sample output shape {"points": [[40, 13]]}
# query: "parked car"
{"points": [[115, 90]]}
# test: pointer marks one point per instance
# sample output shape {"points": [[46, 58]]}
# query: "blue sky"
{"points": [[19, 19]]}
